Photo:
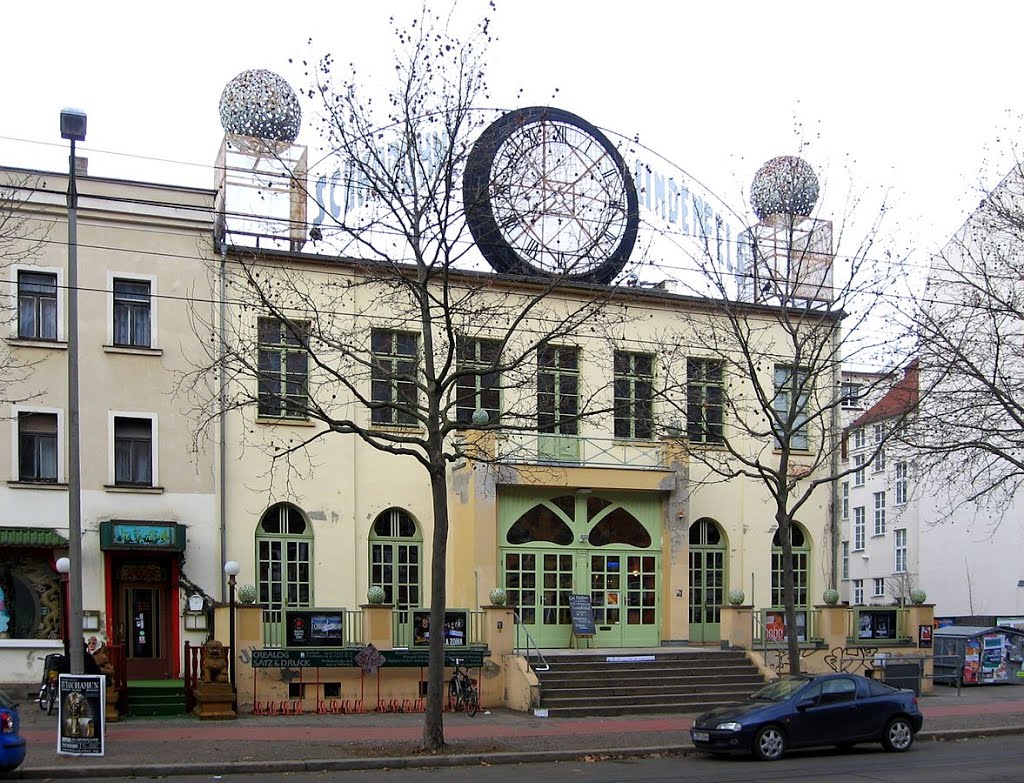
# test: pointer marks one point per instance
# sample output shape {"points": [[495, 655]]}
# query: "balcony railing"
{"points": [[545, 449]]}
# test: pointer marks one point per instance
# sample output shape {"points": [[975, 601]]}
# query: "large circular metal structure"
{"points": [[260, 103], [785, 185]]}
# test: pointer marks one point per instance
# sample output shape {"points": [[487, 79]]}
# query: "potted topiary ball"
{"points": [[247, 594], [375, 595], [737, 596], [497, 596], [830, 596], [918, 596]]}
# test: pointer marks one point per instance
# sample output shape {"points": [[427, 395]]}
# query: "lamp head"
{"points": [[63, 565], [232, 568], [72, 124]]}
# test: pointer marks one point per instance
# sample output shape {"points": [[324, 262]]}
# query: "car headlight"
{"points": [[729, 726]]}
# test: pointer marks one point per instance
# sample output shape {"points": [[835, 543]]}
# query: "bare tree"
{"points": [[969, 434], [762, 396], [396, 340], [23, 238]]}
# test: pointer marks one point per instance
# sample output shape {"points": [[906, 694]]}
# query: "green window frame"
{"points": [[396, 558], [634, 395], [395, 356], [283, 369], [477, 390], [558, 389], [790, 404], [284, 565], [801, 566], [705, 400]]}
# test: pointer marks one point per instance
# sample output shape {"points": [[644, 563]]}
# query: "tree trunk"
{"points": [[433, 721]]}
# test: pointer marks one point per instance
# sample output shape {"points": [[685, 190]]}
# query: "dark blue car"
{"points": [[12, 744], [811, 710]]}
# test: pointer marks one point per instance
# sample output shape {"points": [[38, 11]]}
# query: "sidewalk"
{"points": [[147, 746]]}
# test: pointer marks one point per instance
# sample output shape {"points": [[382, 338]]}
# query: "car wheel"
{"points": [[898, 736], [769, 743]]}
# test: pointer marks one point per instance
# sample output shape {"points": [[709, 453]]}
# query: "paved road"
{"points": [[976, 760]]}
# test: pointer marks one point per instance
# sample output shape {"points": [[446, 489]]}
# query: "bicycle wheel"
{"points": [[454, 693], [472, 699], [51, 697], [41, 698]]}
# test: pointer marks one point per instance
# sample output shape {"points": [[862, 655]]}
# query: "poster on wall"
{"points": [[314, 628], [993, 662], [775, 625], [81, 712], [455, 623]]}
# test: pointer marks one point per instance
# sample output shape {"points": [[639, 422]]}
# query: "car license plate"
{"points": [[701, 736]]}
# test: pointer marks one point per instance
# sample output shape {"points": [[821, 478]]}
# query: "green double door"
{"points": [[606, 545]]}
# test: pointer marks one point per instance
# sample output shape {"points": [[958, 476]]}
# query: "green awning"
{"points": [[31, 536]]}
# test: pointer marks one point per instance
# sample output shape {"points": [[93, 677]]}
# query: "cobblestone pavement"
{"points": [[147, 746]]}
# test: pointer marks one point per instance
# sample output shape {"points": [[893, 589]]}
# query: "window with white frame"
{"points": [[879, 513], [37, 305], [845, 552], [858, 528], [879, 432], [851, 392], [858, 591], [133, 451], [901, 550], [858, 438], [132, 311], [791, 401], [37, 447], [878, 585], [879, 461], [845, 500], [858, 474], [901, 483]]}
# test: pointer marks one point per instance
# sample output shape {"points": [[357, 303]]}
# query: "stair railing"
{"points": [[530, 643]]}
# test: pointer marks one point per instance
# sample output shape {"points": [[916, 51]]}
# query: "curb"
{"points": [[409, 762]]}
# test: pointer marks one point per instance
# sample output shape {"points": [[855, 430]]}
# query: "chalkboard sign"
{"points": [[582, 614]]}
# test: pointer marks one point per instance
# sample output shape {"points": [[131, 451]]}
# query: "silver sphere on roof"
{"points": [[785, 185], [260, 103]]}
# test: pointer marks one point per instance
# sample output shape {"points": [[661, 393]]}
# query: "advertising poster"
{"points": [[81, 711], [993, 665], [454, 628]]}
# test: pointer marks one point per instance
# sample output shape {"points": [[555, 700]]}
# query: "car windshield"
{"points": [[780, 690]]}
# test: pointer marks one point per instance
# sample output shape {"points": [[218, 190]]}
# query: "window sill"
{"points": [[25, 342], [133, 489], [17, 484], [395, 430], [31, 644], [271, 421], [137, 351]]}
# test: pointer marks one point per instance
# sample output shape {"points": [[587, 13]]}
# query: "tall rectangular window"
{"points": [[478, 390], [393, 378], [846, 500], [900, 537], [558, 389], [878, 587], [790, 405], [879, 513], [879, 462], [901, 483], [37, 447], [132, 313], [851, 392], [37, 306], [705, 400], [283, 369], [858, 528], [858, 438], [858, 474], [634, 395], [878, 432], [858, 591], [133, 452], [845, 556]]}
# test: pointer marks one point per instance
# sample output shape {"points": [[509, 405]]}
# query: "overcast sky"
{"points": [[910, 99]]}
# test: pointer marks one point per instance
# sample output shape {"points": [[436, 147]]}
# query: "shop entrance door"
{"points": [[143, 618], [707, 580]]}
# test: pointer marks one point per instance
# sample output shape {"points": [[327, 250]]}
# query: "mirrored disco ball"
{"points": [[260, 103], [784, 185]]}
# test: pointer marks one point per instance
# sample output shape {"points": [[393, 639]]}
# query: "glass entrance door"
{"points": [[707, 581], [143, 623]]}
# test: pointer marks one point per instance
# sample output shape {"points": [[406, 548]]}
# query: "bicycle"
{"points": [[462, 693], [49, 688]]}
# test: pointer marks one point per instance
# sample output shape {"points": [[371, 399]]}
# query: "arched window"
{"points": [[396, 556], [801, 562], [544, 523], [707, 573], [284, 553]]}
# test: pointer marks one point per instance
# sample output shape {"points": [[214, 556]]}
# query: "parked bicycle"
{"points": [[462, 693], [49, 688]]}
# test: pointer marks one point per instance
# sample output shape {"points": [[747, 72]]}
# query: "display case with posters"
{"points": [[455, 627], [775, 625], [313, 628], [872, 624], [976, 655]]}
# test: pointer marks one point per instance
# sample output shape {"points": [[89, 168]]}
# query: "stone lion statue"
{"points": [[213, 662]]}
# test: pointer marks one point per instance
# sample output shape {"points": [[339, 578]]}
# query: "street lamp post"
{"points": [[231, 568], [63, 568], [72, 128]]}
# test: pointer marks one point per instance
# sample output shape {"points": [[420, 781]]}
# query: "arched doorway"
{"points": [[284, 565], [607, 545], [801, 573], [396, 557], [707, 580]]}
